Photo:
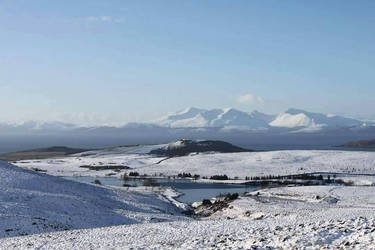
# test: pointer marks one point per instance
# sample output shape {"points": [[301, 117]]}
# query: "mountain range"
{"points": [[194, 117], [35, 126], [292, 120]]}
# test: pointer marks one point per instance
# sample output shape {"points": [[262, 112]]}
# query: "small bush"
{"points": [[232, 197], [134, 174], [206, 202], [97, 182], [345, 183], [348, 183], [38, 170]]}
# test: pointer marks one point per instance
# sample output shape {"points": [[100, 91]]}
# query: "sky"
{"points": [[115, 61]]}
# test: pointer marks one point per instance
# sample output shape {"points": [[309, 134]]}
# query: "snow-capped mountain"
{"points": [[194, 117], [35, 126], [191, 119], [292, 118], [295, 118]]}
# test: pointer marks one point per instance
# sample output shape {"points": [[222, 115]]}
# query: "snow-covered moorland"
{"points": [[35, 203], [280, 217], [233, 164]]}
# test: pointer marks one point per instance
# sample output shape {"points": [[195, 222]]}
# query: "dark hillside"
{"points": [[360, 144], [41, 153], [185, 147]]}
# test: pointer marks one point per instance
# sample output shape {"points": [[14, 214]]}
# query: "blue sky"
{"points": [[114, 61]]}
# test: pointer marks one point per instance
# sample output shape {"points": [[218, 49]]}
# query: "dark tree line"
{"points": [[219, 177], [188, 175]]}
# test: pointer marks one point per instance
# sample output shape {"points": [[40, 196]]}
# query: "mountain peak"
{"points": [[231, 110], [191, 110]]}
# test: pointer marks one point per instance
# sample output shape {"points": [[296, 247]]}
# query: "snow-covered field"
{"points": [[231, 164], [285, 217]]}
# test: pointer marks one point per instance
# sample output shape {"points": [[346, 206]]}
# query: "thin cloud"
{"points": [[250, 99], [106, 19]]}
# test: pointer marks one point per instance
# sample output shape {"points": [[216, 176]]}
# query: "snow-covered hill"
{"points": [[280, 218], [31, 203], [186, 147]]}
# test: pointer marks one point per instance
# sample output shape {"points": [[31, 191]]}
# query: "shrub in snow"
{"points": [[206, 202], [134, 174], [232, 197], [97, 182]]}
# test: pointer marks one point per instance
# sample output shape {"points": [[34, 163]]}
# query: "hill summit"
{"points": [[185, 147]]}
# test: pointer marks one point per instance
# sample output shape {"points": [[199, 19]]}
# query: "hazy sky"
{"points": [[113, 61]]}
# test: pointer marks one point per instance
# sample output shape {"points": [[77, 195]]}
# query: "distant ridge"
{"points": [[360, 144], [41, 153], [230, 119]]}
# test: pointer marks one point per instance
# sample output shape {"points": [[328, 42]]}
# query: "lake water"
{"points": [[198, 191], [192, 191]]}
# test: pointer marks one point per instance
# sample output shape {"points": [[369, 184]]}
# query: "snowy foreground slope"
{"points": [[34, 203], [302, 217]]}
